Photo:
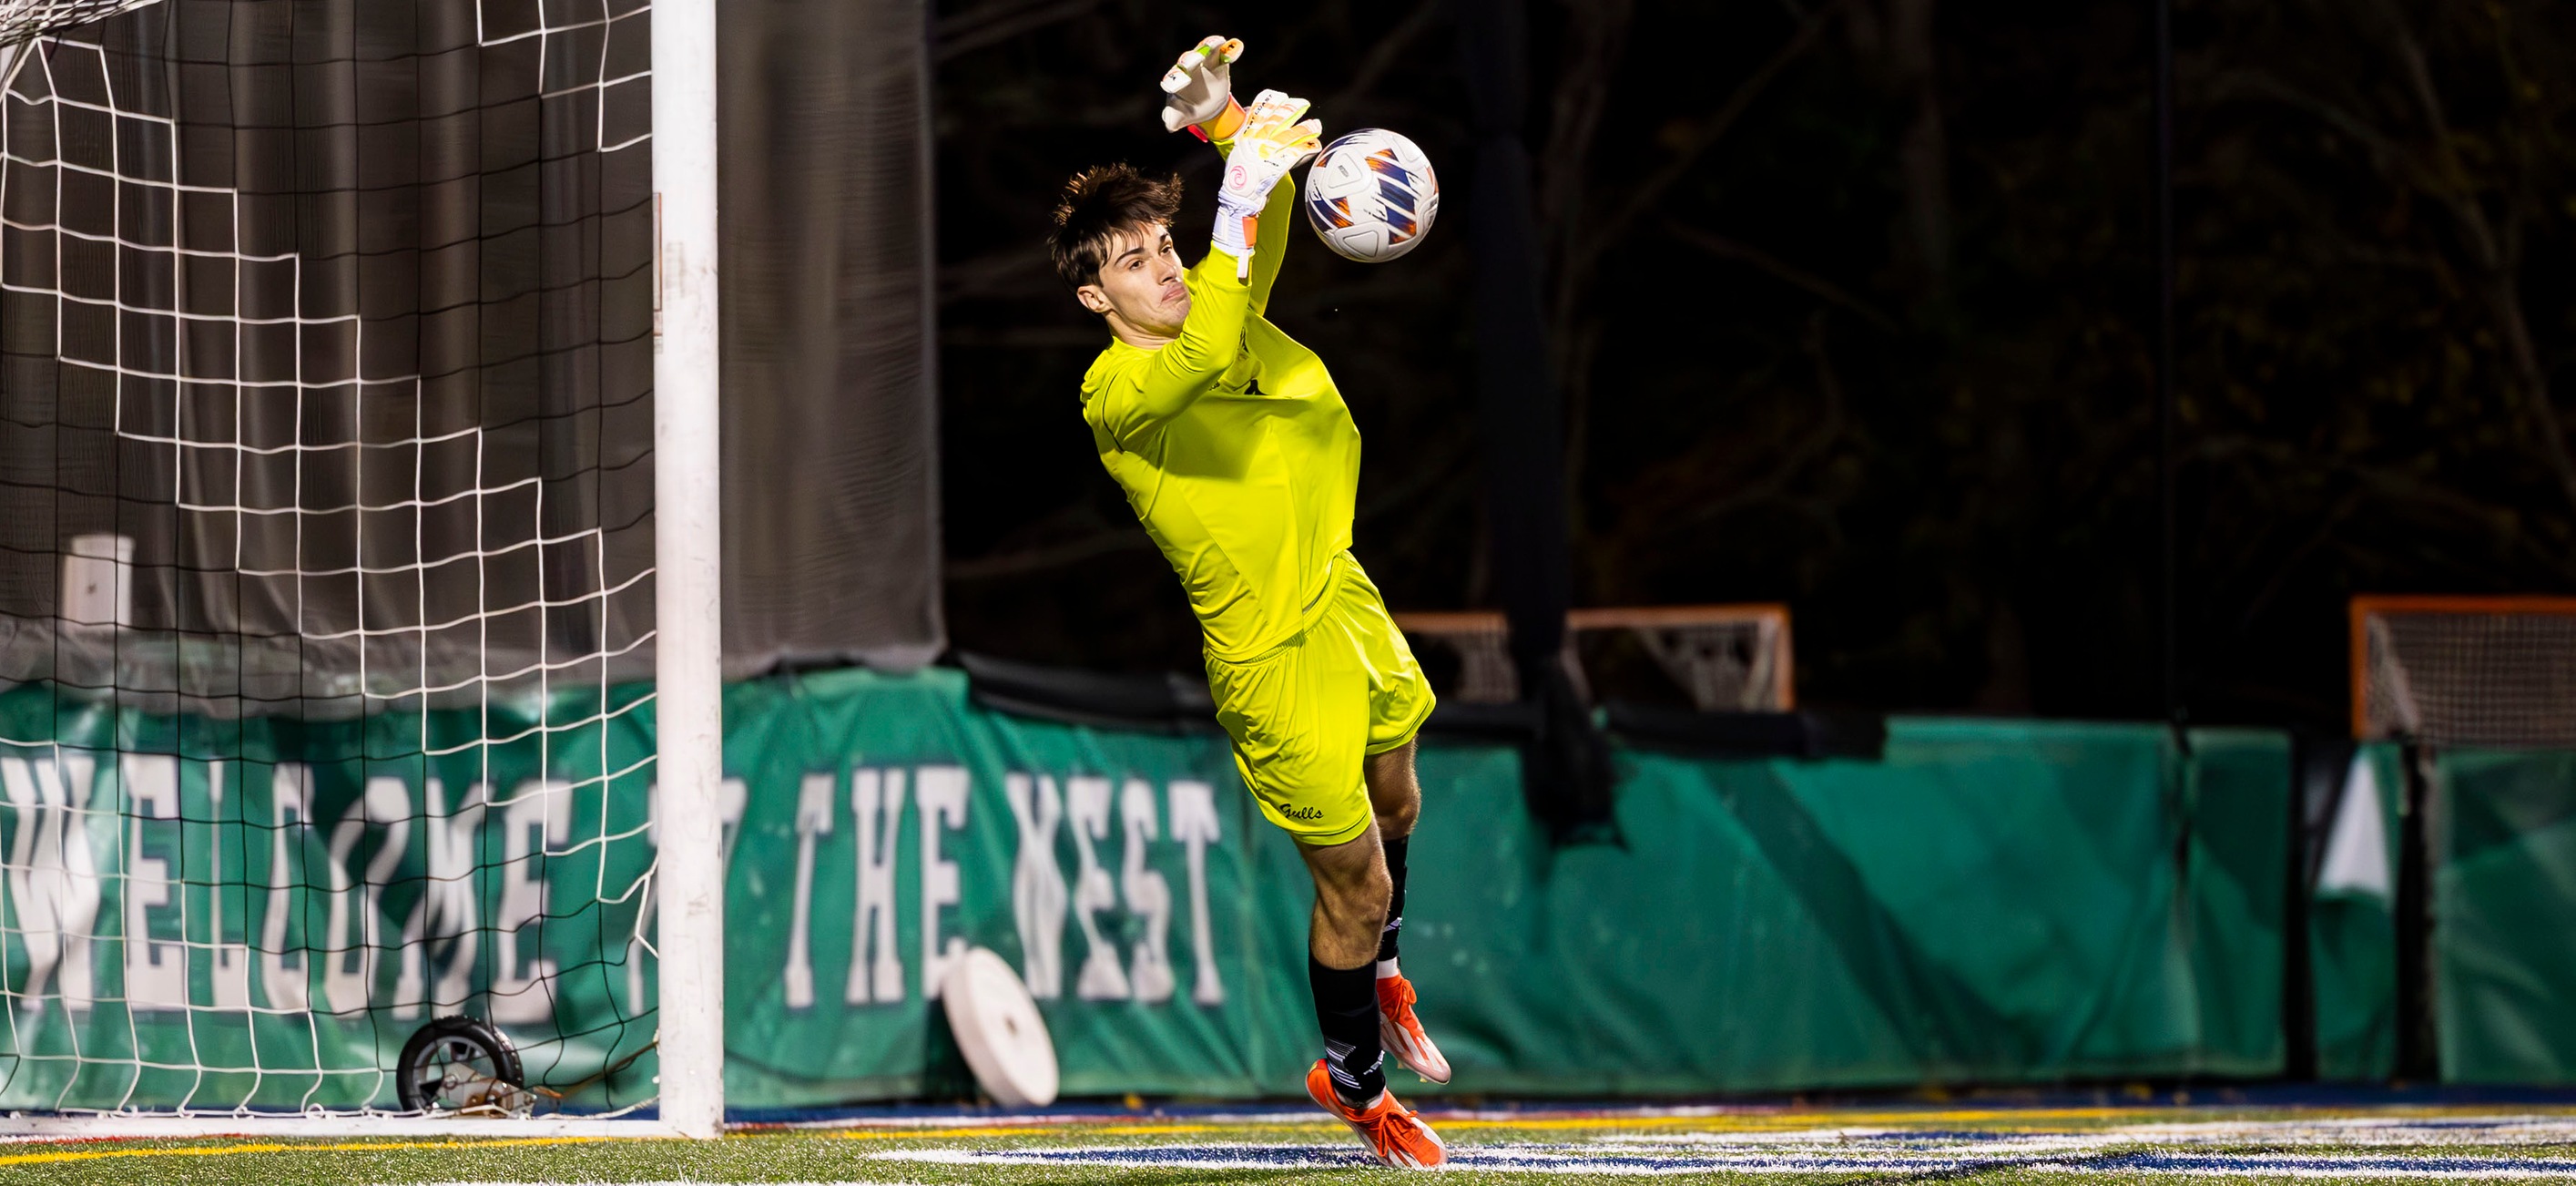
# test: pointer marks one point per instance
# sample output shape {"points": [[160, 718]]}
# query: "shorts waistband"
{"points": [[1313, 612]]}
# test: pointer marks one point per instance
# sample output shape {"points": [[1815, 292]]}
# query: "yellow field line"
{"points": [[276, 1147], [898, 1134]]}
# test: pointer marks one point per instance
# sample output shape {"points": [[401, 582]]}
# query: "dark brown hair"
{"points": [[1096, 205]]}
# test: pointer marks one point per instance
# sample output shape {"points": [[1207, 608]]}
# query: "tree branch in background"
{"points": [[1602, 38], [1793, 460], [2397, 488], [1383, 54], [1924, 155], [1023, 561], [1013, 271], [1710, 130], [1596, 45], [997, 22], [2500, 273], [1423, 472], [1597, 42], [2326, 527], [2439, 172], [2501, 269], [2388, 153], [1725, 248]]}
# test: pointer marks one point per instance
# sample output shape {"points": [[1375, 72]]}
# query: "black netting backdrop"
{"points": [[831, 446], [335, 319], [327, 328]]}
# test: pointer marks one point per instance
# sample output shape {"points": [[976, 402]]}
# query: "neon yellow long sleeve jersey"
{"points": [[1235, 449]]}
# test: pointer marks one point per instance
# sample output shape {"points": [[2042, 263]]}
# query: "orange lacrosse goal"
{"points": [[2467, 671], [1722, 658]]}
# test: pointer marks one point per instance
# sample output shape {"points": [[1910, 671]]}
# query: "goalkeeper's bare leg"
{"points": [[1395, 795], [1352, 892]]}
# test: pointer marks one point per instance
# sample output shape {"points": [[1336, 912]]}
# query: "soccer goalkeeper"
{"points": [[1240, 457]]}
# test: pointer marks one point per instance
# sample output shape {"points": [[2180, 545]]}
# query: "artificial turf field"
{"points": [[1774, 1144]]}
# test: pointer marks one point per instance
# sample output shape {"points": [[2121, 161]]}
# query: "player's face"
{"points": [[1141, 283]]}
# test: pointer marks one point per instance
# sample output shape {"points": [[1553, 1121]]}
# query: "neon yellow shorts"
{"points": [[1302, 714]]}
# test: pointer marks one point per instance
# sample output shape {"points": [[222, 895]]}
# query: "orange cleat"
{"points": [[1401, 1032], [1393, 1134]]}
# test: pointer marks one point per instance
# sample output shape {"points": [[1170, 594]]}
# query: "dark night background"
{"points": [[1852, 305]]}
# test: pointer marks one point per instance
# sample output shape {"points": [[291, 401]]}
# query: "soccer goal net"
{"points": [[1719, 658], [2465, 671], [328, 557]]}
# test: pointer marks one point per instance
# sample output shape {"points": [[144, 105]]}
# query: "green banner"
{"points": [[258, 912], [2237, 821], [2504, 907], [1992, 901], [2502, 827], [1157, 920]]}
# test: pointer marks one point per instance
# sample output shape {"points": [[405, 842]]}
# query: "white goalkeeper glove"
{"points": [[1270, 142], [1199, 90]]}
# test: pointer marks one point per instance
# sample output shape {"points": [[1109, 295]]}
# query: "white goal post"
{"points": [[689, 547]]}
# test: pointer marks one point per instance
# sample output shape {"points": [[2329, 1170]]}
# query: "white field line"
{"points": [[1290, 1157], [2345, 1169], [2051, 1152], [2373, 1132]]}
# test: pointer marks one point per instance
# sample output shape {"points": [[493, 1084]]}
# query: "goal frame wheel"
{"points": [[461, 1030]]}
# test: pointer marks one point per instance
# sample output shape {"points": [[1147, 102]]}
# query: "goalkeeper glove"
{"points": [[1199, 90], [1270, 142]]}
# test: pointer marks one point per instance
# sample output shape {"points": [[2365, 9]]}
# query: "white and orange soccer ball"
{"points": [[1371, 196]]}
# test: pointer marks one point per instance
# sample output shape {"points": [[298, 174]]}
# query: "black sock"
{"points": [[1346, 1010], [1395, 900]]}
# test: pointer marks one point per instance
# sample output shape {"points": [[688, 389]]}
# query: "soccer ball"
{"points": [[1371, 196]]}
